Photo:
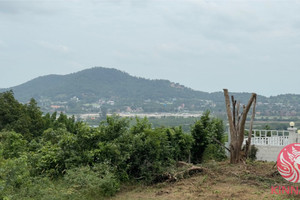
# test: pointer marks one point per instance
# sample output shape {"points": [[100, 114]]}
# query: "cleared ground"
{"points": [[219, 180]]}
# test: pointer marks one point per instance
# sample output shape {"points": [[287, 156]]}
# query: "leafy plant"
{"points": [[252, 153]]}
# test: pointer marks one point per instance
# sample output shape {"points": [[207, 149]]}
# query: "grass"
{"points": [[220, 180]]}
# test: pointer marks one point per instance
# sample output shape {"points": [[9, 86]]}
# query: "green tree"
{"points": [[180, 142], [200, 131], [10, 110], [12, 144], [34, 114], [204, 131]]}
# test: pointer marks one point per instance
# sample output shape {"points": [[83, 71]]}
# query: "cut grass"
{"points": [[219, 180]]}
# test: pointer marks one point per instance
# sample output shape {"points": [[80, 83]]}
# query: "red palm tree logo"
{"points": [[288, 162]]}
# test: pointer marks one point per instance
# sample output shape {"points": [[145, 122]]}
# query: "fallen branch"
{"points": [[182, 164], [220, 143], [179, 175], [274, 164]]}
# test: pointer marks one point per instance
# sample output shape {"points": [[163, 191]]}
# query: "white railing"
{"points": [[272, 141], [269, 137]]}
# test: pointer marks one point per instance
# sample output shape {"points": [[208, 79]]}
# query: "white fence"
{"points": [[273, 141], [269, 137], [270, 142]]}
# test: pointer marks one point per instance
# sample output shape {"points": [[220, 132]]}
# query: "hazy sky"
{"points": [[245, 46]]}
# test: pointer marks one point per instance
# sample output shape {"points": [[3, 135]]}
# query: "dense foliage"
{"points": [[55, 157], [205, 133]]}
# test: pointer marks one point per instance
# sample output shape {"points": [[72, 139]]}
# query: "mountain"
{"points": [[99, 82], [111, 89], [98, 88]]}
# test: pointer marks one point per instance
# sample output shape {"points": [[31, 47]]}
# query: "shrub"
{"points": [[151, 155], [13, 174], [203, 132], [252, 153], [91, 182], [12, 144], [214, 152], [38, 188]]}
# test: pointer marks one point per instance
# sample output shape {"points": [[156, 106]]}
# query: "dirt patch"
{"points": [[219, 180]]}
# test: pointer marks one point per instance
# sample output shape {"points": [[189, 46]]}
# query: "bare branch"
{"points": [[244, 117], [229, 115], [248, 144], [233, 110]]}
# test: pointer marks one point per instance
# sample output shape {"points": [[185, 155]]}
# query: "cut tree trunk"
{"points": [[237, 122]]}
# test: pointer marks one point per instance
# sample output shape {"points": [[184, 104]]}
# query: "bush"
{"points": [[252, 153], [214, 152], [79, 183], [91, 182], [151, 155], [12, 144], [48, 160], [38, 188], [203, 131], [14, 173]]}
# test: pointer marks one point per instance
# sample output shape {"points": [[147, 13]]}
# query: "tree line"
{"points": [[53, 156]]}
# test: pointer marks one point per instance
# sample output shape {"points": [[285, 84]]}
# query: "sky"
{"points": [[245, 46]]}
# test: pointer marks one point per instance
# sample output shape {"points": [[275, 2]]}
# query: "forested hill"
{"points": [[99, 82], [115, 91]]}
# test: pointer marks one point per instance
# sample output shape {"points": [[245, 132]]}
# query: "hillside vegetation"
{"points": [[103, 90], [95, 83], [55, 157]]}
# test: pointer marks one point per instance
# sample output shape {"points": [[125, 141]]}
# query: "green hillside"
{"points": [[98, 82], [101, 89]]}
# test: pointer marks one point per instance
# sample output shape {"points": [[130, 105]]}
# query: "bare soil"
{"points": [[218, 180]]}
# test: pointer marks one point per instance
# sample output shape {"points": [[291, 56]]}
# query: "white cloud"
{"points": [[76, 65], [38, 7], [169, 47], [202, 35], [55, 47]]}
